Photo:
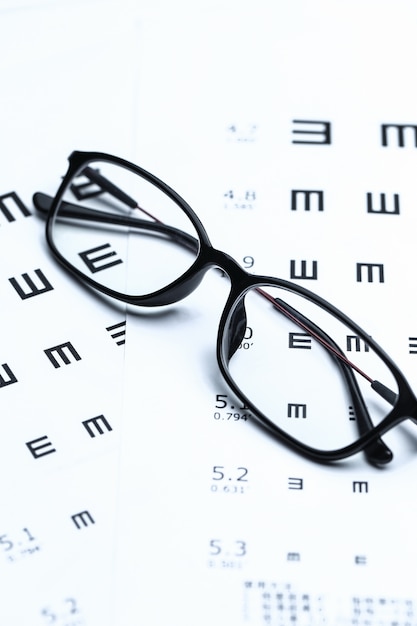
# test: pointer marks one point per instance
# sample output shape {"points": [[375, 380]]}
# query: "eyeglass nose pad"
{"points": [[237, 328]]}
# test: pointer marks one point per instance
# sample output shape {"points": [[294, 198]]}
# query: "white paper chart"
{"points": [[62, 351], [290, 132], [137, 489]]}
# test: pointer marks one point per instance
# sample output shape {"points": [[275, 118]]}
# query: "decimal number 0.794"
{"points": [[228, 411]]}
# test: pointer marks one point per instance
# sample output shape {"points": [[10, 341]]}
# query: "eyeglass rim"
{"points": [[405, 406], [174, 291]]}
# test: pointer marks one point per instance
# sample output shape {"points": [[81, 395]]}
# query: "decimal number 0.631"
{"points": [[226, 411]]}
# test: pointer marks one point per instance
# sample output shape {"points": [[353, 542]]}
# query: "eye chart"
{"points": [[291, 131], [62, 351], [136, 488]]}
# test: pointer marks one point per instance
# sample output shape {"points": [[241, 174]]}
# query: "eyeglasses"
{"points": [[127, 234]]}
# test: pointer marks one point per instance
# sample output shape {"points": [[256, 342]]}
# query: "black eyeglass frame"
{"points": [[241, 282]]}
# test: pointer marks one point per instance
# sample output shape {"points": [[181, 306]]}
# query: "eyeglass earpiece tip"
{"points": [[378, 453], [42, 202]]}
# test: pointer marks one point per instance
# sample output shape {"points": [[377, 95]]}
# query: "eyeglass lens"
{"points": [[298, 383], [109, 214]]}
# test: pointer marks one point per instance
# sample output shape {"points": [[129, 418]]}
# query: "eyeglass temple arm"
{"points": [[43, 204], [377, 451], [107, 185], [329, 344]]}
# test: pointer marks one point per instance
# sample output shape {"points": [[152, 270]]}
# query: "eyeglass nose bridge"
{"points": [[240, 280]]}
